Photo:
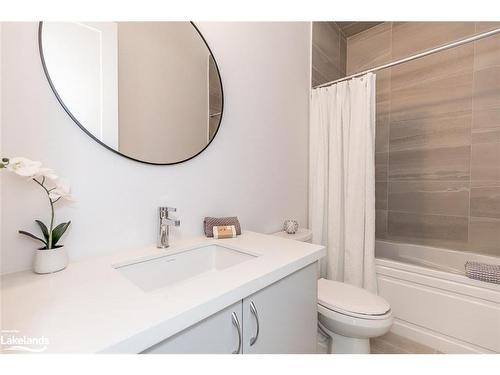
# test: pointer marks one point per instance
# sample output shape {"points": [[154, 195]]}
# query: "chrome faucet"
{"points": [[164, 226]]}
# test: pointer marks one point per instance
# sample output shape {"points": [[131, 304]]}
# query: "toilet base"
{"points": [[339, 344], [348, 345]]}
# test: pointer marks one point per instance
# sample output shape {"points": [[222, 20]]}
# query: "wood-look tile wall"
{"points": [[329, 47], [438, 134]]}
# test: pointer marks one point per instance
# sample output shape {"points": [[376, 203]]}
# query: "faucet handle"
{"points": [[164, 210]]}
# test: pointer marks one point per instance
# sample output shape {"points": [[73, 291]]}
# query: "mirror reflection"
{"points": [[150, 91]]}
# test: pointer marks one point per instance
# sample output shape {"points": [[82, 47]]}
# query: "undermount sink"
{"points": [[165, 270]]}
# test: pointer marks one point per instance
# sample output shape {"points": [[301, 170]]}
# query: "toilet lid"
{"points": [[346, 298]]}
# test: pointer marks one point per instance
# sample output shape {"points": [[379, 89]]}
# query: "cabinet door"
{"points": [[217, 334], [282, 318]]}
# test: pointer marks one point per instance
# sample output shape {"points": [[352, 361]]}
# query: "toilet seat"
{"points": [[351, 316], [351, 301], [335, 323]]}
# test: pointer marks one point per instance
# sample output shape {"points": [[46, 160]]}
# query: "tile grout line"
{"points": [[413, 180], [438, 147], [427, 214], [471, 126], [389, 137]]}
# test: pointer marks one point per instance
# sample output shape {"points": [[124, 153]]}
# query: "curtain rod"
{"points": [[414, 57]]}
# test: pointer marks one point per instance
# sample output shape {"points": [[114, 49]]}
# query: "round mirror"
{"points": [[150, 91]]}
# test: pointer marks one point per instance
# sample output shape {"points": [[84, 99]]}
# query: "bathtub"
{"points": [[434, 303]]}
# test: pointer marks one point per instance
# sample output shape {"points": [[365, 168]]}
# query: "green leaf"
{"points": [[33, 236], [58, 232], [44, 229]]}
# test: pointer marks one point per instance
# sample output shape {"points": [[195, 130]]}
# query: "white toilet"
{"points": [[349, 315]]}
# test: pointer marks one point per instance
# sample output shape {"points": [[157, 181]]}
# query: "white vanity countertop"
{"points": [[91, 307]]}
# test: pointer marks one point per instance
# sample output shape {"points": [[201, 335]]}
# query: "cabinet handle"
{"points": [[236, 323], [253, 310]]}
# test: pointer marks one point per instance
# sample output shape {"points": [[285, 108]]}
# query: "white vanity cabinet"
{"points": [[280, 318], [217, 334]]}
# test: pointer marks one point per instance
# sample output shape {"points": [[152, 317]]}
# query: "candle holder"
{"points": [[290, 226]]}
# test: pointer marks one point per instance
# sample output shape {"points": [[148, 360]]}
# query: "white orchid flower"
{"points": [[24, 167], [47, 173], [33, 170], [62, 190]]}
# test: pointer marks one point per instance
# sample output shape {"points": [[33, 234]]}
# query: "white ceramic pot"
{"points": [[49, 261]]}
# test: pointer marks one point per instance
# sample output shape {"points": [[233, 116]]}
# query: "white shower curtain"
{"points": [[342, 179]]}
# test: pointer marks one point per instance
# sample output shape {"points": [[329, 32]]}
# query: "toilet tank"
{"points": [[302, 234]]}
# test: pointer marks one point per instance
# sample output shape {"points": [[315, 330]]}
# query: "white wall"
{"points": [[262, 144]]}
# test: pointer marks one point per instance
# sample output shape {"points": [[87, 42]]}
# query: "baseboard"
{"points": [[440, 342]]}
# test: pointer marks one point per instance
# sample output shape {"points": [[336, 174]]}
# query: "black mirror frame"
{"points": [[66, 109]]}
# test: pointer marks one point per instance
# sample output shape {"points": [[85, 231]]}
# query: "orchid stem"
{"points": [[49, 243]]}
